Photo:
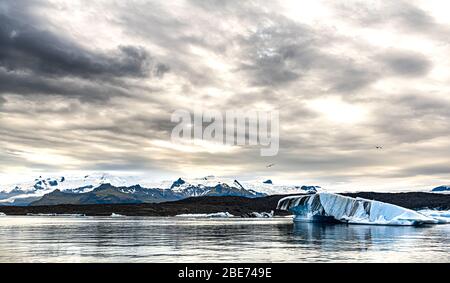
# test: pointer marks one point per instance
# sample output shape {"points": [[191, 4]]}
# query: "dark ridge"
{"points": [[177, 183], [235, 205], [209, 204]]}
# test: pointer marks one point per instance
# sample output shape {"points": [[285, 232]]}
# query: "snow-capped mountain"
{"points": [[208, 186], [142, 190], [260, 186], [22, 193], [108, 194], [71, 182], [441, 189]]}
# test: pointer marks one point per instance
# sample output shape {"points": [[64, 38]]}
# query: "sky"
{"points": [[91, 86]]}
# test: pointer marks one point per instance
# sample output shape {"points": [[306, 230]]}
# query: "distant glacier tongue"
{"points": [[334, 207]]}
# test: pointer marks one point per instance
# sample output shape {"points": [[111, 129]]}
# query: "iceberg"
{"points": [[443, 216], [2, 214], [57, 214], [329, 207], [259, 214], [210, 215], [116, 215]]}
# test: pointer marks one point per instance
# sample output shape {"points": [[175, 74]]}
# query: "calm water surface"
{"points": [[162, 239]]}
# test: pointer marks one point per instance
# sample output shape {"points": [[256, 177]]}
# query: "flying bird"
{"points": [[379, 147], [270, 165]]}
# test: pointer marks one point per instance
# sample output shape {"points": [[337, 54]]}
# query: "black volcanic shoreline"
{"points": [[238, 206]]}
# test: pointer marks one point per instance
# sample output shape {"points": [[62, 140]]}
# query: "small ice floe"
{"points": [[328, 207], [259, 215], [116, 215], [209, 215], [56, 214], [72, 215], [443, 216]]}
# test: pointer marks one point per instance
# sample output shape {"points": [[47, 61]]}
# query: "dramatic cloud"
{"points": [[25, 48], [36, 61], [91, 85], [406, 63]]}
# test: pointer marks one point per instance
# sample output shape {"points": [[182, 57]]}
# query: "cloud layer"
{"points": [[91, 86]]}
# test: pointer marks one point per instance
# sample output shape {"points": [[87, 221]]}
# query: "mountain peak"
{"points": [[441, 189], [178, 183], [104, 186], [236, 182]]}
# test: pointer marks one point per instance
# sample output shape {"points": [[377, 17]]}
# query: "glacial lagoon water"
{"points": [[174, 239]]}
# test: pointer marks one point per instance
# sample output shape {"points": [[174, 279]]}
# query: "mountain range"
{"points": [[102, 188]]}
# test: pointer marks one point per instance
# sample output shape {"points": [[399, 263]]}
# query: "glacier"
{"points": [[329, 207]]}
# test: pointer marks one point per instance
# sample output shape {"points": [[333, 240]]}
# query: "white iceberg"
{"points": [[209, 215], [116, 215], [259, 214], [443, 216], [2, 214], [323, 207], [56, 214]]}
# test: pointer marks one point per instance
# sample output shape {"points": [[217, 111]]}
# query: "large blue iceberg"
{"points": [[328, 207]]}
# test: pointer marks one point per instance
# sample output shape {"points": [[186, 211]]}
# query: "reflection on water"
{"points": [[158, 239]]}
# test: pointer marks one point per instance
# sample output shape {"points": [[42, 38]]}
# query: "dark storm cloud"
{"points": [[140, 127], [25, 83], [282, 51], [153, 22], [278, 64], [407, 64], [35, 61], [278, 54], [26, 48]]}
